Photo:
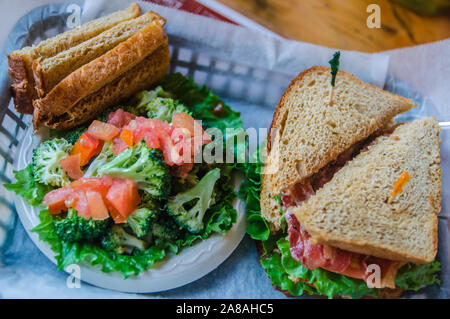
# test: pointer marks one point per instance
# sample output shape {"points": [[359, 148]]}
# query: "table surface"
{"points": [[342, 24]]}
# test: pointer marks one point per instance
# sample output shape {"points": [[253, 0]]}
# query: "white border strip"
{"points": [[236, 17]]}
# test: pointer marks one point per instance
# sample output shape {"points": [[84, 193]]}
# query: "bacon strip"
{"points": [[336, 260]]}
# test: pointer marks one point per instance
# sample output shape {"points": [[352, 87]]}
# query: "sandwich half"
{"points": [[380, 209], [348, 200]]}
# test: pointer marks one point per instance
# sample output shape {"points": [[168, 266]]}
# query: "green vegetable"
{"points": [[325, 282], [145, 166], [75, 228], [27, 187], [415, 276], [157, 104], [78, 252], [45, 161], [189, 208], [120, 250], [164, 232], [334, 64], [100, 160], [203, 103], [257, 228], [119, 241], [139, 221]]}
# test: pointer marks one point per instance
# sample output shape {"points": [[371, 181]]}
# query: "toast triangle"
{"points": [[356, 210], [307, 132]]}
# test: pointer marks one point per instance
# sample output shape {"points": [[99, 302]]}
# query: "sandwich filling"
{"points": [[333, 259]]}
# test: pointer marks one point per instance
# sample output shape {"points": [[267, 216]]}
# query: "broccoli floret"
{"points": [[157, 103], [188, 208], [119, 241], [139, 221], [149, 202], [145, 166], [164, 231], [74, 228], [45, 161], [104, 157], [180, 185]]}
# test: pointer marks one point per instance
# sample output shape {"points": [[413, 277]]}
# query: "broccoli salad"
{"points": [[124, 191]]}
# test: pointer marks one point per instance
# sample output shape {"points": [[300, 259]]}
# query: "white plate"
{"points": [[172, 272]]}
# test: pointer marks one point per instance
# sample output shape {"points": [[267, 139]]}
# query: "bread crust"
{"points": [[21, 91]]}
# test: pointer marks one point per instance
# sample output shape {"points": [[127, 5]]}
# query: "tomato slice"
{"points": [[97, 184], [123, 196], [171, 154], [120, 118], [96, 205], [115, 215], [119, 146], [78, 200], [127, 136], [55, 200], [71, 164], [87, 146], [183, 120], [103, 131]]}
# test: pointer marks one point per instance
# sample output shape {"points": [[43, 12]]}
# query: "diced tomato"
{"points": [[120, 118], [103, 131], [87, 146], [66, 197], [171, 154], [78, 200], [71, 164], [97, 184], [119, 146], [127, 136], [151, 140], [55, 200], [183, 120], [123, 196], [96, 206], [115, 215]]}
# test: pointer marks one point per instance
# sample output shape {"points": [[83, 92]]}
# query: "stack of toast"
{"points": [[69, 79]]}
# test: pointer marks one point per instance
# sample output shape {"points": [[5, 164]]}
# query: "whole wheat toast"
{"points": [[357, 210], [100, 72], [48, 72], [142, 76], [20, 61], [307, 132]]}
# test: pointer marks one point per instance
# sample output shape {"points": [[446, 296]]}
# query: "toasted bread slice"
{"points": [[48, 72], [307, 132], [101, 71], [142, 76], [357, 210], [21, 61]]}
